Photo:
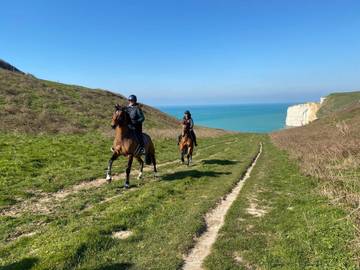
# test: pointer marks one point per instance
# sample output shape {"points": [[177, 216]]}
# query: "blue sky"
{"points": [[189, 51]]}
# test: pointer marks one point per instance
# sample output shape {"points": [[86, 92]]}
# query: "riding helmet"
{"points": [[132, 98], [187, 112]]}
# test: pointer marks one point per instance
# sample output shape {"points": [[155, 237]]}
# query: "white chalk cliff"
{"points": [[302, 114]]}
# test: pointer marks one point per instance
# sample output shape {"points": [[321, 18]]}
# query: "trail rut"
{"points": [[214, 221]]}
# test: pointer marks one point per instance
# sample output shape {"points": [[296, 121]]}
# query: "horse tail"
{"points": [[150, 154]]}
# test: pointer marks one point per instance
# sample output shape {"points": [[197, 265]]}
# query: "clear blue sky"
{"points": [[189, 51]]}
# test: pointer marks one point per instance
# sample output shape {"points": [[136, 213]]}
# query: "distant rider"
{"points": [[137, 118], [188, 126]]}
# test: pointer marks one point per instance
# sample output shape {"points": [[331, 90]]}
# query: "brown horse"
{"points": [[186, 146], [126, 144]]}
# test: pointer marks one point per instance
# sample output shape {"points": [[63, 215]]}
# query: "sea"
{"points": [[260, 118]]}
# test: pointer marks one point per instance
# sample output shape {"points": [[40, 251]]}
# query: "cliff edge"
{"points": [[302, 114]]}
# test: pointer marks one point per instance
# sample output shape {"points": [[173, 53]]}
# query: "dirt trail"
{"points": [[46, 202], [214, 221], [42, 204]]}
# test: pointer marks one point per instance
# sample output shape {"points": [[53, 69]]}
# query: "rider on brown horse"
{"points": [[188, 126], [137, 118]]}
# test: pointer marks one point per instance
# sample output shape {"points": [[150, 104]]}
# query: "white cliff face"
{"points": [[301, 114]]}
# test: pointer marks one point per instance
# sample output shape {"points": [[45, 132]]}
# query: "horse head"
{"points": [[120, 117]]}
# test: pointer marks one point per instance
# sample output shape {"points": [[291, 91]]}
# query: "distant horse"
{"points": [[126, 144], [186, 146]]}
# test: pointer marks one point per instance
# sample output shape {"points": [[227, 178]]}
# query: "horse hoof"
{"points": [[139, 176], [156, 175], [126, 186], [108, 179]]}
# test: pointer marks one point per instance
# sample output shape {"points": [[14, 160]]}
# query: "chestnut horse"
{"points": [[126, 144], [186, 146]]}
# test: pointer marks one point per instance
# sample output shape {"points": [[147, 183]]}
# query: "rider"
{"points": [[188, 125], [137, 119]]}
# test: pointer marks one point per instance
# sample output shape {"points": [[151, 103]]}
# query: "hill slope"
{"points": [[31, 105], [7, 66], [337, 102], [329, 149]]}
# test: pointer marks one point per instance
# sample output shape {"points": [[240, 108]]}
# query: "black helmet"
{"points": [[132, 98], [187, 112]]}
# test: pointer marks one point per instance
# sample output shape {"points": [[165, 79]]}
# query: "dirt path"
{"points": [[45, 203], [214, 221]]}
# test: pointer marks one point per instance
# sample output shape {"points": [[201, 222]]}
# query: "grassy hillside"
{"points": [[52, 231], [54, 135], [35, 106], [337, 102], [58, 212], [329, 149]]}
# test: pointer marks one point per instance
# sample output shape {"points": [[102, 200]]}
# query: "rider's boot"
{"points": [[142, 147], [141, 143], [194, 137]]}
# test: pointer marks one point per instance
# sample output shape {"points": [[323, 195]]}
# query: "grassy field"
{"points": [[163, 215], [280, 222], [33, 164], [57, 211]]}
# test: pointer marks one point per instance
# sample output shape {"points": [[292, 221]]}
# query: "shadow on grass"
{"points": [[24, 264], [116, 266], [219, 161], [192, 174]]}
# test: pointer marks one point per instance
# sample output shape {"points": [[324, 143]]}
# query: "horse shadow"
{"points": [[193, 174], [219, 162], [24, 264]]}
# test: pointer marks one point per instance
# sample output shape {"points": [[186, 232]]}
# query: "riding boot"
{"points": [[194, 137], [140, 138], [141, 143]]}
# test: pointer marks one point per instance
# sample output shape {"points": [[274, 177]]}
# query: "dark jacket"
{"points": [[188, 123], [136, 114]]}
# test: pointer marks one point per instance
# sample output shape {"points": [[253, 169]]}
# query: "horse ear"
{"points": [[117, 107]]}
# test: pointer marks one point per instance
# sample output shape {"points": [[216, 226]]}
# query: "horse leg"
{"points": [[128, 170], [182, 157], [141, 167], [108, 171], [188, 155]]}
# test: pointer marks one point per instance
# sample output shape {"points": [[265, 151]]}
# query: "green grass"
{"points": [[163, 215], [52, 138], [299, 229], [337, 102], [32, 164]]}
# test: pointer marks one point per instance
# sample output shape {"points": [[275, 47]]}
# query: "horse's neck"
{"points": [[186, 132], [121, 132]]}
